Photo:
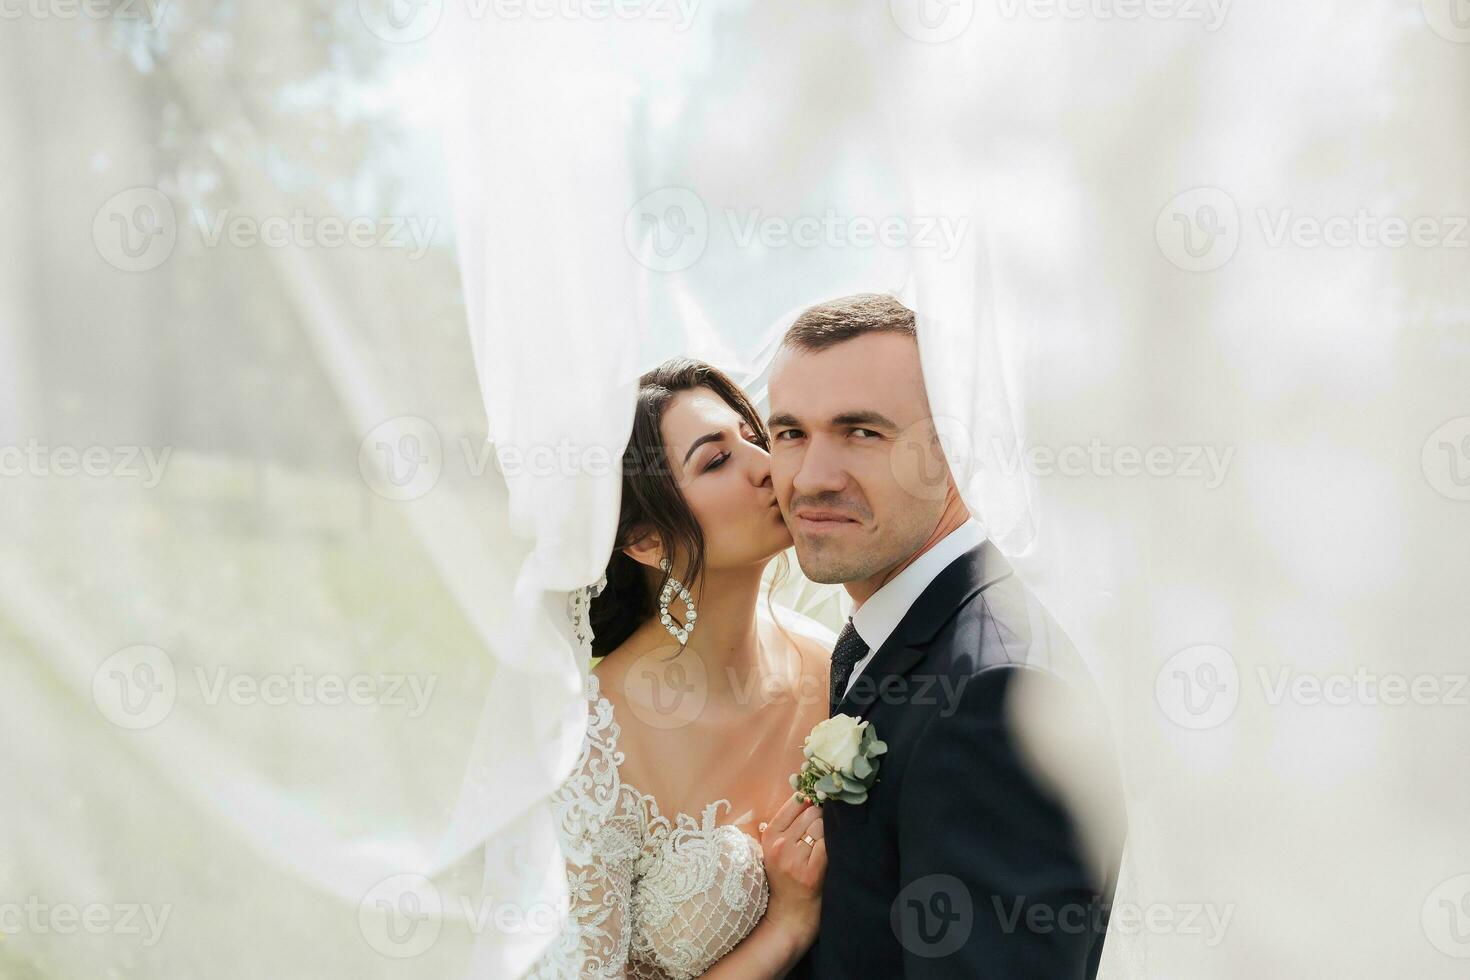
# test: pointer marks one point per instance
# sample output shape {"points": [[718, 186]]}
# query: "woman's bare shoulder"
{"points": [[812, 650], [812, 639]]}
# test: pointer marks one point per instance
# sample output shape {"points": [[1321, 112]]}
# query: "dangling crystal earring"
{"points": [[672, 586]]}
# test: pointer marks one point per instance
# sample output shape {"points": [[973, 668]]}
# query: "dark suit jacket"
{"points": [[963, 862]]}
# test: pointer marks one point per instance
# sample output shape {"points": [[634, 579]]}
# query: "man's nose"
{"points": [[819, 472]]}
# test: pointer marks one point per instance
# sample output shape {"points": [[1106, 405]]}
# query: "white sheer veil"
{"points": [[596, 239], [687, 190], [1230, 457]]}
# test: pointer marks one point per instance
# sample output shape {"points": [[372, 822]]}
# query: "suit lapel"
{"points": [[907, 645]]}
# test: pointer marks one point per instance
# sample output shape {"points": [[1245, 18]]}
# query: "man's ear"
{"points": [[646, 550]]}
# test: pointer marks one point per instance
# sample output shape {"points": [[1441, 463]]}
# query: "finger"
{"points": [[788, 812], [803, 821], [815, 830], [817, 860]]}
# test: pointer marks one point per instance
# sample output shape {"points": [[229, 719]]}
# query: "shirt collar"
{"points": [[877, 618]]}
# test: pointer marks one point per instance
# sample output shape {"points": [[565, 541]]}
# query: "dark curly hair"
{"points": [[652, 501]]}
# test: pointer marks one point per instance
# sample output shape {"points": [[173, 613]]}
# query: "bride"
{"points": [[687, 852]]}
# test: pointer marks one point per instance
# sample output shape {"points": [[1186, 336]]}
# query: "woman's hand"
{"points": [[794, 868]]}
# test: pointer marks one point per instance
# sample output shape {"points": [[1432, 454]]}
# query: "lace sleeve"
{"points": [[601, 829]]}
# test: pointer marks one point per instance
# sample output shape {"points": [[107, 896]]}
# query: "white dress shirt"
{"points": [[877, 618]]}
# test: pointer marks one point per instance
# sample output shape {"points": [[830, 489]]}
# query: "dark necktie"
{"points": [[849, 650]]}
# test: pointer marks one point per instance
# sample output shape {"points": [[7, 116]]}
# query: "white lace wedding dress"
{"points": [[652, 898]]}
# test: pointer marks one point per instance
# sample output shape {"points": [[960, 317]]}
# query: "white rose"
{"points": [[835, 741]]}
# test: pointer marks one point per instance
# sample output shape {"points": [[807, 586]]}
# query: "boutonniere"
{"points": [[841, 761]]}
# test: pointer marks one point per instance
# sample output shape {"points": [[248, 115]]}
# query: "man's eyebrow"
{"points": [[868, 419], [865, 418], [707, 437]]}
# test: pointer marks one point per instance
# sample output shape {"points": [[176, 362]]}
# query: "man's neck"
{"points": [[954, 514]]}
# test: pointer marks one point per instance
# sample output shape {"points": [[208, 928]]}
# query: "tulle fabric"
{"points": [[413, 835]]}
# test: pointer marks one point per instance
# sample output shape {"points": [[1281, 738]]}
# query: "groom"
{"points": [[964, 861]]}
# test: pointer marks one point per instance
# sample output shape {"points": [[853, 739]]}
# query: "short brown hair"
{"points": [[829, 324]]}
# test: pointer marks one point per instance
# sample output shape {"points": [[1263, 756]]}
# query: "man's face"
{"points": [[855, 461]]}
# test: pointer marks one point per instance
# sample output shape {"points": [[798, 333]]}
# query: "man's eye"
{"points": [[787, 432], [866, 432]]}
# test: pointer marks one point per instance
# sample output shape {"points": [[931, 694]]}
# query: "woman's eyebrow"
{"points": [[707, 437]]}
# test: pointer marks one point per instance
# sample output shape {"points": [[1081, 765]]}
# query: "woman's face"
{"points": [[725, 477]]}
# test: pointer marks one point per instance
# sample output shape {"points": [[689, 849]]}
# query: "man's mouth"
{"points": [[823, 520]]}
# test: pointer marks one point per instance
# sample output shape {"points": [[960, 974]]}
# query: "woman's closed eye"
{"points": [[718, 461]]}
